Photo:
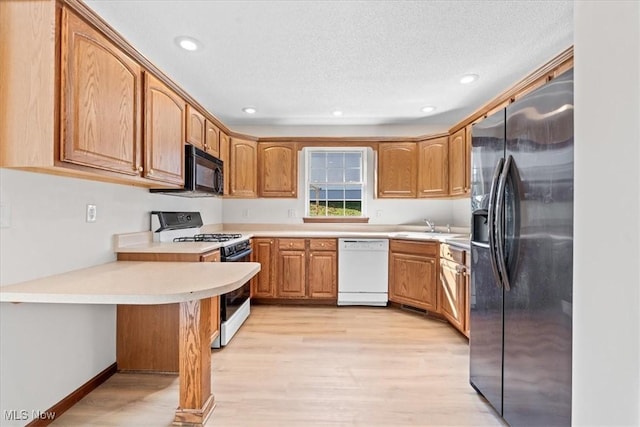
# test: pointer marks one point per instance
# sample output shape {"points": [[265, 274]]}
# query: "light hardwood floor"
{"points": [[314, 366]]}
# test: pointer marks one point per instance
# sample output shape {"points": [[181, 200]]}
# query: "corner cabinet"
{"points": [[277, 169], [242, 168], [101, 95], [413, 274], [433, 167], [397, 170]]}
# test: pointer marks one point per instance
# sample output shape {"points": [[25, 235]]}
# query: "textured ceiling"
{"points": [[379, 62]]}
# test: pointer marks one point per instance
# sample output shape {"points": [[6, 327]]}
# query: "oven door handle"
{"points": [[237, 257]]}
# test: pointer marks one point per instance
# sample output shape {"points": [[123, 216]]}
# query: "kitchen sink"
{"points": [[426, 235]]}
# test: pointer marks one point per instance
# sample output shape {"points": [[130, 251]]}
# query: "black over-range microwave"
{"points": [[202, 175]]}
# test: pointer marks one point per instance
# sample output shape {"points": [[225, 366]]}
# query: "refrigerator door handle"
{"points": [[500, 255], [492, 222]]}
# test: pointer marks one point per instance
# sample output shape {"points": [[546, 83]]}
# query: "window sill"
{"points": [[335, 219]]}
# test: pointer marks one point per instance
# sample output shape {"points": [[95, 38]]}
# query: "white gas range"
{"points": [[184, 228]]}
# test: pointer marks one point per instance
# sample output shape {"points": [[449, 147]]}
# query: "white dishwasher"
{"points": [[363, 271]]}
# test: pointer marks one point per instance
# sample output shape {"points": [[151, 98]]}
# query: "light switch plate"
{"points": [[92, 213]]}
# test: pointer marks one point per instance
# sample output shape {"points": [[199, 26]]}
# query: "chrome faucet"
{"points": [[431, 225]]}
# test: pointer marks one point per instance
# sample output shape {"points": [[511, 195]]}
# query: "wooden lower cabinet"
{"points": [[322, 274], [413, 274], [291, 281], [296, 269], [453, 295], [262, 284], [147, 336]]}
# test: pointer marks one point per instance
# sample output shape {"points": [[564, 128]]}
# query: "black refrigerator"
{"points": [[522, 257]]}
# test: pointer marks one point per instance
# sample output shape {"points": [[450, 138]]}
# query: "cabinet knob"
{"points": [[139, 168], [150, 171]]}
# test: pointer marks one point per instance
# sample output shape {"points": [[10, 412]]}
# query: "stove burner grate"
{"points": [[211, 237]]}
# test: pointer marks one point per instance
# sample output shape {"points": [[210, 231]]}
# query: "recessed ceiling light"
{"points": [[249, 110], [469, 78], [428, 109], [188, 43], [337, 113]]}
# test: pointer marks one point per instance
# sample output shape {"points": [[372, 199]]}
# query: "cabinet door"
{"points": [[277, 169], [243, 158], [226, 163], [164, 132], [467, 153], [413, 280], [291, 274], [397, 170], [101, 101], [212, 139], [457, 162], [195, 128], [323, 272], [262, 283], [452, 298], [433, 167]]}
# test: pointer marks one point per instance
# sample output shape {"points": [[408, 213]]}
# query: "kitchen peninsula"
{"points": [[142, 283]]}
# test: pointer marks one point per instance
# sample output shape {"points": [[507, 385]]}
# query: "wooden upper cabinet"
{"points": [[242, 169], [467, 170], [224, 156], [164, 132], [277, 169], [397, 170], [195, 128], [101, 101], [212, 139], [433, 167], [457, 163]]}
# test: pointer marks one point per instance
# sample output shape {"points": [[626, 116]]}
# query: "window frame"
{"points": [[307, 152]]}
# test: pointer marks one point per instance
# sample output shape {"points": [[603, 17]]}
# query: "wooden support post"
{"points": [[196, 400]]}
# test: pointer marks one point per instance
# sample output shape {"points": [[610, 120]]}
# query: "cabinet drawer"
{"points": [[291, 244], [452, 253], [419, 248], [322, 244]]}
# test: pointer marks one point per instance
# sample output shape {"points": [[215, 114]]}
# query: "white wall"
{"points": [[606, 314], [380, 211], [49, 350]]}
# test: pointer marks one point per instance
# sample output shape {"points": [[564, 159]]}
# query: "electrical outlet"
{"points": [[245, 213], [292, 213], [5, 216], [378, 213], [92, 213]]}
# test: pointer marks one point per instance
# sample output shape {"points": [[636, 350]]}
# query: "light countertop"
{"points": [[142, 242], [133, 282]]}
